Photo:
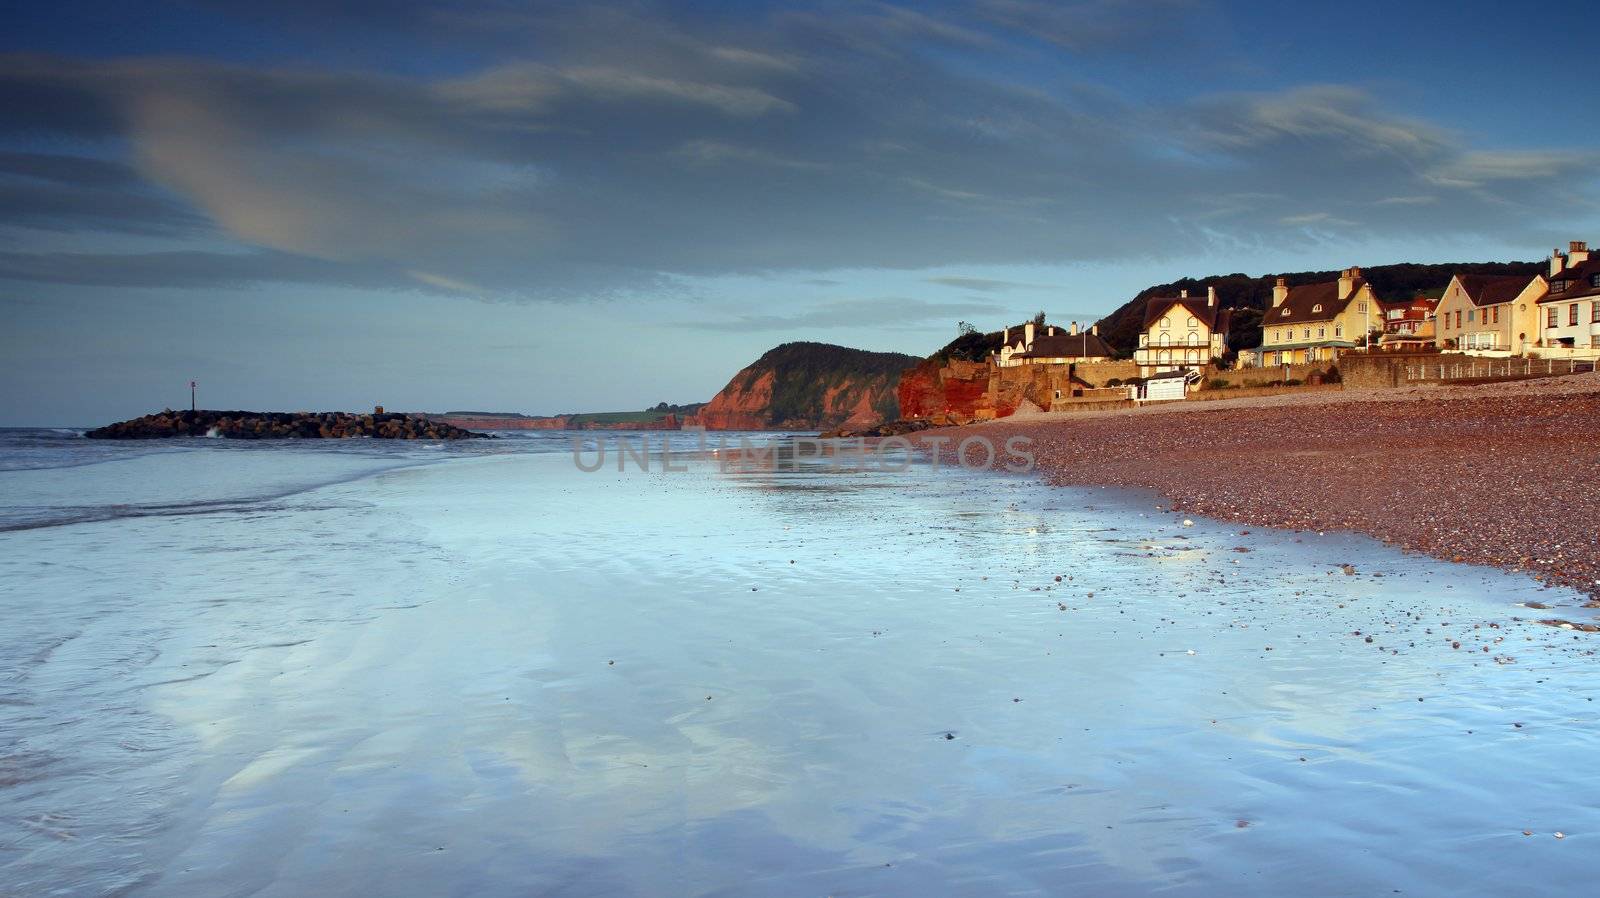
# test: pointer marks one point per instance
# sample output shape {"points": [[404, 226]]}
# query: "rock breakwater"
{"points": [[281, 425]]}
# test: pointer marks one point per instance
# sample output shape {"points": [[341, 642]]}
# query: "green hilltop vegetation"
{"points": [[804, 373], [1250, 296]]}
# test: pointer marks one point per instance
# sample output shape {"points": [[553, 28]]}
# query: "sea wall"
{"points": [[959, 391]]}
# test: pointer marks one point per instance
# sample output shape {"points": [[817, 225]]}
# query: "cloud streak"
{"points": [[595, 151]]}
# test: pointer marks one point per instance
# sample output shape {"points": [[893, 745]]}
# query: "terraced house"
{"points": [[1489, 312], [1182, 332], [1571, 307], [1315, 322]]}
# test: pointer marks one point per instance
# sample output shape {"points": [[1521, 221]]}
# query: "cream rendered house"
{"points": [[1489, 313], [1316, 322], [1181, 332], [1570, 311]]}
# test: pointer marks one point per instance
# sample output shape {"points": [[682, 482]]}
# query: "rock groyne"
{"points": [[281, 425]]}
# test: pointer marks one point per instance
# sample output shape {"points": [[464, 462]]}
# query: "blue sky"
{"points": [[556, 207]]}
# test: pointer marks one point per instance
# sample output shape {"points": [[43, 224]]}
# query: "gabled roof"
{"points": [[1157, 306], [1578, 277], [1420, 305], [1063, 345], [1311, 302], [1493, 289]]}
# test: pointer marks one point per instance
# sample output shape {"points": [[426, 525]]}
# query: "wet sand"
{"points": [[1505, 474]]}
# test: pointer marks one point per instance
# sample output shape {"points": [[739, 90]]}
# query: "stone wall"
{"points": [[1260, 377], [1096, 374], [1388, 369]]}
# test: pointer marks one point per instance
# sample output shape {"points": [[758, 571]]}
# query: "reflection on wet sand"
{"points": [[505, 676]]}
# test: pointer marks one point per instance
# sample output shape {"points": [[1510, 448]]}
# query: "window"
{"points": [[1164, 339], [1594, 280], [1317, 307], [1572, 314], [1322, 332], [1558, 286], [1496, 314], [1194, 338], [1338, 330], [1594, 311], [1193, 321], [1458, 317], [1472, 315], [1308, 333], [1286, 313], [1166, 323], [1362, 308], [1550, 319]]}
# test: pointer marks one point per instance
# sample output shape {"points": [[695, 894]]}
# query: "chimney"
{"points": [[1558, 262], [1211, 297], [1050, 331], [1280, 292], [1183, 294], [1074, 331], [1027, 334], [1577, 252], [1005, 337], [1094, 329], [1347, 280]]}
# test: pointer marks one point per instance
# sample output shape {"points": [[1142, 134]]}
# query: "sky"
{"points": [[553, 207]]}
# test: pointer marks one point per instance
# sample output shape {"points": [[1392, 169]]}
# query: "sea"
{"points": [[506, 668]]}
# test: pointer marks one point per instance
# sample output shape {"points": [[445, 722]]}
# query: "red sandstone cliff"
{"points": [[808, 386]]}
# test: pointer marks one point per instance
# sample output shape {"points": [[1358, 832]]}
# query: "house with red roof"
{"points": [[1408, 325]]}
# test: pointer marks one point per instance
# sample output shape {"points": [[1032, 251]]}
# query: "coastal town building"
{"points": [[1182, 332], [1409, 326], [1316, 322], [1046, 344], [1489, 313], [1570, 309]]}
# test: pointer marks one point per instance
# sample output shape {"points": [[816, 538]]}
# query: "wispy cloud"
{"points": [[848, 313], [616, 149], [986, 285]]}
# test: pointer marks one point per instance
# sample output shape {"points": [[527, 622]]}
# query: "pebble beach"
{"points": [[1504, 474]]}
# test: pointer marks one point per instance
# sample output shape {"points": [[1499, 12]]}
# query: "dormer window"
{"points": [[1594, 280], [1316, 308], [1286, 313], [1558, 286]]}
